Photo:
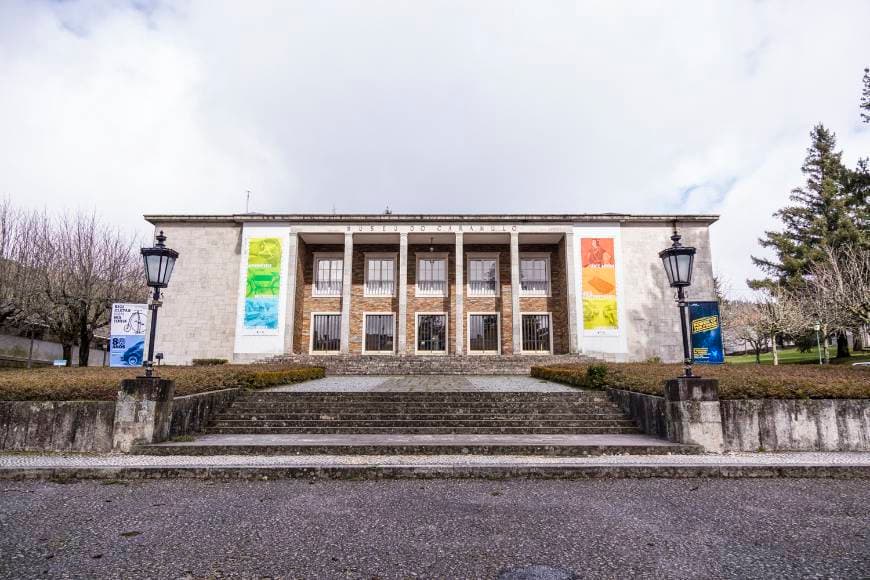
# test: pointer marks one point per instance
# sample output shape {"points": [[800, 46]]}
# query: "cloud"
{"points": [[137, 107]]}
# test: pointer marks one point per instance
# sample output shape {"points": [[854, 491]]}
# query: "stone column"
{"points": [[460, 293], [143, 412], [403, 294], [346, 287], [572, 281], [516, 317], [290, 304], [692, 412]]}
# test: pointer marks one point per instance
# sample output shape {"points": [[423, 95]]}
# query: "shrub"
{"points": [[735, 382], [207, 362], [101, 384]]}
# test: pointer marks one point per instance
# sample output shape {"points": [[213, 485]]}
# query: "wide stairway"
{"points": [[572, 423], [426, 365]]}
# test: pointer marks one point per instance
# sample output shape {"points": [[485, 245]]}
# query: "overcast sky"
{"points": [[469, 106]]}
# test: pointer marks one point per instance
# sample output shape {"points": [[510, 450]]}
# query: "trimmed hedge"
{"points": [[735, 382], [207, 362], [101, 383]]}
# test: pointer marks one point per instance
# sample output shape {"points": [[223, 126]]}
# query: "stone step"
{"points": [[411, 396], [402, 444], [420, 430], [412, 422], [228, 416]]}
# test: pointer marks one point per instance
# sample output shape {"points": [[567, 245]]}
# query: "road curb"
{"points": [[375, 472]]}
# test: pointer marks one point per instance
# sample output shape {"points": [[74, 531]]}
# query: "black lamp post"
{"points": [[159, 261], [678, 261]]}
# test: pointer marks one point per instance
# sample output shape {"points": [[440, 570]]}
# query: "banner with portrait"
{"points": [[598, 272], [262, 285]]}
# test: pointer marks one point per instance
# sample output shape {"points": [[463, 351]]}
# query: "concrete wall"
{"points": [[647, 411], [796, 425], [649, 307], [56, 425], [191, 413], [198, 317], [16, 348]]}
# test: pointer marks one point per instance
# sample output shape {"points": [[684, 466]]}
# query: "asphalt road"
{"points": [[452, 528]]}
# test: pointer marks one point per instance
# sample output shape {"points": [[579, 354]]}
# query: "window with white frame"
{"points": [[379, 329], [325, 332], [431, 275], [535, 275], [483, 275], [380, 273], [536, 332], [328, 273], [432, 333]]}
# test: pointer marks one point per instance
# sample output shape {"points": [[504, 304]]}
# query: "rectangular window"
{"points": [[431, 333], [483, 275], [536, 332], [380, 276], [432, 275], [535, 275], [326, 332], [328, 273], [379, 332], [483, 333]]}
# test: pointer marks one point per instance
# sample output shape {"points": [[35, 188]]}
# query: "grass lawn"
{"points": [[794, 356]]}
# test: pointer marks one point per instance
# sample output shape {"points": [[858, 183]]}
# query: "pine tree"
{"points": [[865, 97], [822, 213]]}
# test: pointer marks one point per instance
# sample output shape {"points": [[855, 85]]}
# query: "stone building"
{"points": [[252, 286]]}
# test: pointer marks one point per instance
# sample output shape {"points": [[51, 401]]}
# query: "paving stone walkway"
{"points": [[425, 384]]}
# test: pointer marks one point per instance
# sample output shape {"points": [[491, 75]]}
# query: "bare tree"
{"points": [[844, 275], [818, 306], [741, 322], [86, 266], [779, 314]]}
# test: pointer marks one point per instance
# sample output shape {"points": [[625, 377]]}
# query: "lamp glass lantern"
{"points": [[678, 261], [159, 262]]}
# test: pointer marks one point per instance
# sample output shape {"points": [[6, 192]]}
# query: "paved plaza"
{"points": [[426, 383], [435, 529]]}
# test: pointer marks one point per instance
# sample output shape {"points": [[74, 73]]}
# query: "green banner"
{"points": [[263, 283]]}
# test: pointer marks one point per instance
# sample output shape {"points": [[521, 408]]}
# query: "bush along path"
{"points": [[101, 384], [735, 382]]}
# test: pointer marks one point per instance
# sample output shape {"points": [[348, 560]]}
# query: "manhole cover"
{"points": [[537, 573]]}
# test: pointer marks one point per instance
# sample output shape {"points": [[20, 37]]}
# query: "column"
{"points": [[346, 282], [572, 282], [460, 292], [515, 293], [403, 294], [290, 304]]}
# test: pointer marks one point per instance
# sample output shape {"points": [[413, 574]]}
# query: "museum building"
{"points": [[251, 286]]}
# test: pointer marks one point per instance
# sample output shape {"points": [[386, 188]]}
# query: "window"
{"points": [[483, 274], [328, 272], [380, 275], [483, 333], [379, 332], [325, 333], [535, 275], [431, 275], [432, 333], [536, 333]]}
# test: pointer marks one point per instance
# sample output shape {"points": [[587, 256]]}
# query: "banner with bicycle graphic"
{"points": [[127, 341]]}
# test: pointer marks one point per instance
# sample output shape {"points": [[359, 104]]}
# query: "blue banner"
{"points": [[127, 341], [706, 332]]}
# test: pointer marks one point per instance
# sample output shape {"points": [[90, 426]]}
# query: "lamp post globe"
{"points": [[678, 261], [159, 261]]}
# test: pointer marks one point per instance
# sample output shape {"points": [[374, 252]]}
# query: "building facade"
{"points": [[251, 286]]}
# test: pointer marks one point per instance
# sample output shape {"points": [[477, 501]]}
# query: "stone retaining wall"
{"points": [[768, 424], [646, 410], [191, 413], [796, 425], [56, 425]]}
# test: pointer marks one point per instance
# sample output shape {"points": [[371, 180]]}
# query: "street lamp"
{"points": [[159, 261], [817, 327], [678, 261]]}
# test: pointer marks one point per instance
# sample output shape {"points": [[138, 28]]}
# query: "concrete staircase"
{"points": [[427, 365], [422, 413]]}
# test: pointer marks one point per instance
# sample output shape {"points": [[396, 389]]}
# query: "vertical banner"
{"points": [[600, 316], [262, 285], [127, 330], [706, 332]]}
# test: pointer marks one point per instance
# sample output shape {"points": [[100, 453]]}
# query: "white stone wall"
{"points": [[198, 316], [652, 315]]}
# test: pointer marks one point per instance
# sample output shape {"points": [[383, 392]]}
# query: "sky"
{"points": [[133, 107]]}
